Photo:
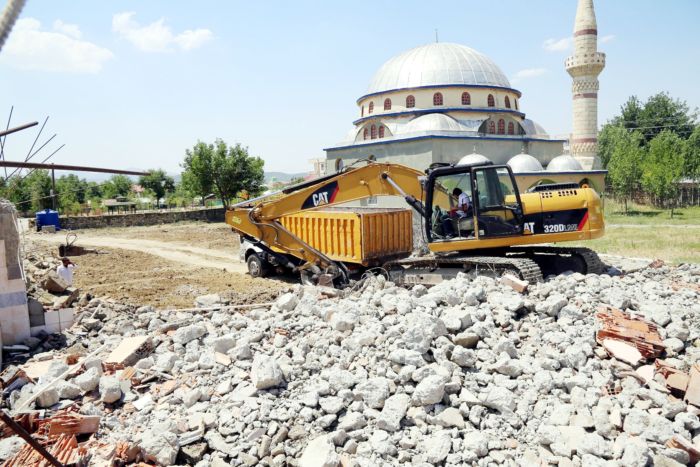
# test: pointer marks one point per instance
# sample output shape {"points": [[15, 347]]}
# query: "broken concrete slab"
{"points": [[623, 351], [130, 350]]}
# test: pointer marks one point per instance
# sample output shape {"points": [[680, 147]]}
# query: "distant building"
{"points": [[443, 102]]}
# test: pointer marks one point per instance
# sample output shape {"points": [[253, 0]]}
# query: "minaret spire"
{"points": [[584, 66]]}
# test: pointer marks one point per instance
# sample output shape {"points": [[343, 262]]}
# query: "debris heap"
{"points": [[579, 370]]}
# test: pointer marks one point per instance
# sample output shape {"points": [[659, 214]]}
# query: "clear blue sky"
{"points": [[135, 90]]}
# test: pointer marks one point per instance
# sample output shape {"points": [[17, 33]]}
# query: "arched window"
{"points": [[492, 127], [362, 113], [437, 98], [381, 131], [365, 134], [387, 104], [410, 102], [507, 102], [371, 108], [516, 103], [511, 128], [491, 102], [501, 127], [373, 132], [466, 99]]}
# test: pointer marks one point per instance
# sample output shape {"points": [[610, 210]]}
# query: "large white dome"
{"points": [[441, 63]]}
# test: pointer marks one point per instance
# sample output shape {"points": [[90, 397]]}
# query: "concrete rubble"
{"points": [[470, 371]]}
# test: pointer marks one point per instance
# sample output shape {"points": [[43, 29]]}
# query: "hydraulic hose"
{"points": [[8, 18]]}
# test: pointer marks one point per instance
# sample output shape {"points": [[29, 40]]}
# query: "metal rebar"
{"points": [[9, 131], [77, 168], [17, 428]]}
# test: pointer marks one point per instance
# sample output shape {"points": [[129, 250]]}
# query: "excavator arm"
{"points": [[261, 221]]}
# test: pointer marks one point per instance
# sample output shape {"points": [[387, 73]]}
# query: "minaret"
{"points": [[584, 66]]}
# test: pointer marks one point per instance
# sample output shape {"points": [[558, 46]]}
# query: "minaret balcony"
{"points": [[590, 63]]}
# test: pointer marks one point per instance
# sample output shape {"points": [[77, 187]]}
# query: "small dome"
{"points": [[437, 64], [532, 128], [564, 163], [432, 122], [473, 159], [524, 163]]}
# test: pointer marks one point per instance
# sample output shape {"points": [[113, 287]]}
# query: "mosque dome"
{"points": [[433, 122], [524, 163], [437, 64], [564, 163], [472, 159]]}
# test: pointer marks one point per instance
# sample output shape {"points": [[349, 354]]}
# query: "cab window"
{"points": [[453, 209], [498, 210]]}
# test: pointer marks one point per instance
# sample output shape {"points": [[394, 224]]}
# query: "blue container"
{"points": [[47, 217]]}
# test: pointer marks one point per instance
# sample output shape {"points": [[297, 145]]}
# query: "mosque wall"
{"points": [[420, 153], [452, 97]]}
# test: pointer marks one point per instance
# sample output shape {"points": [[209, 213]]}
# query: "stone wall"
{"points": [[145, 218]]}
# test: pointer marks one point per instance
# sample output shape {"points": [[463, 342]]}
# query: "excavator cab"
{"points": [[468, 203]]}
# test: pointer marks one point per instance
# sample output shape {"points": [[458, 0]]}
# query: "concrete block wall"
{"points": [[14, 314], [140, 219]]}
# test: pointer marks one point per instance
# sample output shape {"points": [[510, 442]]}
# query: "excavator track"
{"points": [[433, 270], [588, 258]]}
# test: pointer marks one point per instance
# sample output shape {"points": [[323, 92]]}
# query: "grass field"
{"points": [[648, 232]]}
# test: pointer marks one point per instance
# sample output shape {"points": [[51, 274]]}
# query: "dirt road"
{"points": [[193, 256], [164, 266]]}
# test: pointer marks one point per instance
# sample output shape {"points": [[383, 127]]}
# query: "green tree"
{"points": [[37, 189], [692, 155], [117, 185], [226, 170], [663, 168], [71, 192], [296, 180], [625, 166], [159, 183]]}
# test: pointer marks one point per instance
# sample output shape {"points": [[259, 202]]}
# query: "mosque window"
{"points": [[362, 113], [410, 102], [466, 99], [507, 102], [511, 128], [501, 127], [373, 132], [516, 103], [492, 127], [437, 98], [491, 102], [371, 108], [387, 104], [381, 131], [365, 134]]}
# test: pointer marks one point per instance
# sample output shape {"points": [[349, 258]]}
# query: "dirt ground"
{"points": [[166, 266]]}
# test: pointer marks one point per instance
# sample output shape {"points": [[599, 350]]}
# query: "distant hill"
{"points": [[282, 176]]}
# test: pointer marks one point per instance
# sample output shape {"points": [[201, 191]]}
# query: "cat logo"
{"points": [[321, 196], [529, 227], [320, 199]]}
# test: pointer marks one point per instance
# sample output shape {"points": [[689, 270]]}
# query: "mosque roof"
{"points": [[440, 63]]}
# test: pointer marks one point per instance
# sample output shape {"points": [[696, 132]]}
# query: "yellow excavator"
{"points": [[473, 217]]}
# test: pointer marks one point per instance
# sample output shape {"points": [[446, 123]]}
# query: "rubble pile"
{"points": [[578, 370]]}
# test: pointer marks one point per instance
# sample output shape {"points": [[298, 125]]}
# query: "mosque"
{"points": [[446, 102]]}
